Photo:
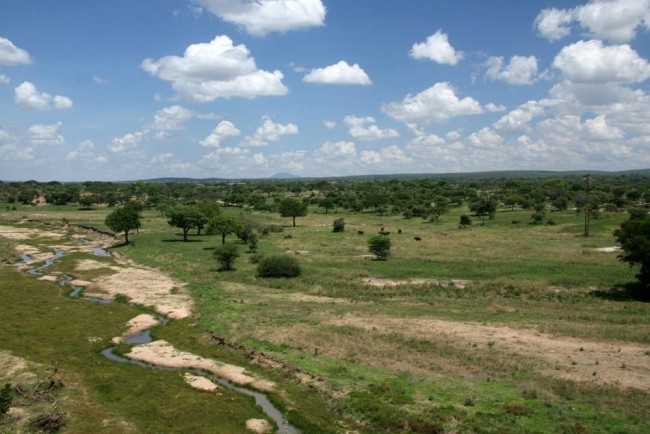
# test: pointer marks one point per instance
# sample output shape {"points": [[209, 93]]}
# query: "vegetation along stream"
{"points": [[144, 337]]}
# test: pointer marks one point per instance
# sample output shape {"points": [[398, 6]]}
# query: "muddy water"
{"points": [[144, 337]]}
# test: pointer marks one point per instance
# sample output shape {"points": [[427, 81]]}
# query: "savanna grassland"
{"points": [[502, 326]]}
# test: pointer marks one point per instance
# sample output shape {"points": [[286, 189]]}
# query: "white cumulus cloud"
{"points": [[217, 69], [127, 142], [613, 20], [27, 96], [592, 62], [339, 73], [518, 120], [259, 17], [269, 131], [224, 130], [171, 118], [4, 79], [520, 70], [364, 128], [10, 55], [436, 48], [435, 104], [45, 135]]}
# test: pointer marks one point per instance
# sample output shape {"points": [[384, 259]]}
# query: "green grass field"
{"points": [[385, 372]]}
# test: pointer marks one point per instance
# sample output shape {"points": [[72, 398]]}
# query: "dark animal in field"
{"points": [[384, 233], [359, 232], [288, 237], [417, 239], [399, 231]]}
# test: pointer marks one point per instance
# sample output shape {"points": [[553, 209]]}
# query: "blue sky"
{"points": [[126, 90]]}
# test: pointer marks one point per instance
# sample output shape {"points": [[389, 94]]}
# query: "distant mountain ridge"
{"points": [[456, 175]]}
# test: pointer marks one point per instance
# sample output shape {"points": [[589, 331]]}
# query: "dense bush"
{"points": [[339, 225], [278, 266], [379, 246], [226, 255], [5, 399]]}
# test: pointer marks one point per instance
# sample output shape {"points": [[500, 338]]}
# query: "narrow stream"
{"points": [[144, 337]]}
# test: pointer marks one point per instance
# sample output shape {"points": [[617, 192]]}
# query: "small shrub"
{"points": [[278, 266], [339, 225], [516, 409], [252, 243], [226, 255], [465, 221], [256, 258], [380, 247], [537, 217], [5, 399]]}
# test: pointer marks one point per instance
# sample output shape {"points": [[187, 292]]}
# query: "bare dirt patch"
{"points": [[201, 383], [455, 283], [162, 353], [258, 426], [146, 287], [621, 364], [608, 249]]}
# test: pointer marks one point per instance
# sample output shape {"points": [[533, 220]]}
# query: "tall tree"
{"points": [[185, 218], [634, 238], [224, 225], [293, 208], [123, 220]]}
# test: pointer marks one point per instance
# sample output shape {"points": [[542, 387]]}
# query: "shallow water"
{"points": [[144, 337]]}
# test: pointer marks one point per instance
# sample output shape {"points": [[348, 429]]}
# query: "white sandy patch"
{"points": [[456, 283], [24, 249], [617, 363], [49, 278], [162, 353], [258, 426], [90, 264], [17, 233], [608, 249], [201, 383], [79, 282], [148, 288], [136, 325]]}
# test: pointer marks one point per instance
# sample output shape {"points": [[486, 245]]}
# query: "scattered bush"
{"points": [[339, 225], [5, 399], [380, 247], [256, 258], [465, 221], [252, 243], [278, 266], [226, 255]]}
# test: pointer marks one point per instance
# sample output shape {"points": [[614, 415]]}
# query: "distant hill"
{"points": [[506, 174]]}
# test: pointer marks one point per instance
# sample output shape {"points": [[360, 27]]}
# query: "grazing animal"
{"points": [[417, 239], [399, 231], [288, 237], [359, 232], [384, 233]]}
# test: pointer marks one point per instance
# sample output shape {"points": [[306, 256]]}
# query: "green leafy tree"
{"points": [[379, 246], [185, 218], [224, 225], [291, 207], [226, 255], [123, 220], [252, 243], [86, 202], [634, 238]]}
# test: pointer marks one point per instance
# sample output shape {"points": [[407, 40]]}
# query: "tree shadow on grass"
{"points": [[210, 248], [632, 291], [175, 240]]}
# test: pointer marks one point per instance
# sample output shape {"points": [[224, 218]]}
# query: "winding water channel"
{"points": [[144, 337]]}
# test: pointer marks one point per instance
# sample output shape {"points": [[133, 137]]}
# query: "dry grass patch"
{"points": [[620, 364]]}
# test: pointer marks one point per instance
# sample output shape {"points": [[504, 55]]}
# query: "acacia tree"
{"points": [[123, 220], [184, 218], [224, 225], [293, 208], [380, 247], [634, 238]]}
